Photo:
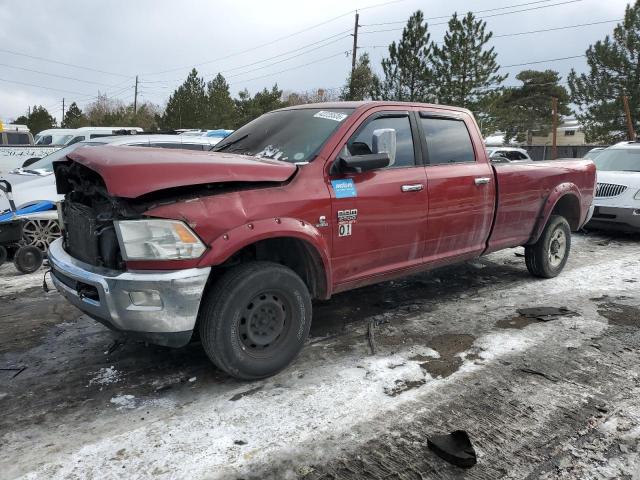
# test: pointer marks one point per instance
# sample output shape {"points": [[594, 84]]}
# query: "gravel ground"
{"points": [[554, 399]]}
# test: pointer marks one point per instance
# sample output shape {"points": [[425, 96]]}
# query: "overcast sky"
{"points": [[160, 40]]}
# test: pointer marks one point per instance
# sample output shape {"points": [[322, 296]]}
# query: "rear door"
{"points": [[461, 186], [379, 216]]}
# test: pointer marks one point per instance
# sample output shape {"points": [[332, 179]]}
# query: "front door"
{"points": [[379, 216]]}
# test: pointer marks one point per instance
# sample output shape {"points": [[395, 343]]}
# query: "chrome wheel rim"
{"points": [[557, 247], [40, 233]]}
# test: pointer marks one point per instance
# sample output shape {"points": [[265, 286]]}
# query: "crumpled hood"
{"points": [[131, 172]]}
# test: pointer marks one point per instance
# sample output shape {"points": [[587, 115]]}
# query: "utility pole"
{"points": [[627, 112], [62, 121], [554, 146], [354, 52], [135, 98]]}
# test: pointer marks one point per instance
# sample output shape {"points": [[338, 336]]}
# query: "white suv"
{"points": [[617, 199]]}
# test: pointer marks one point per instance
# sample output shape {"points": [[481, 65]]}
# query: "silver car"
{"points": [[617, 199]]}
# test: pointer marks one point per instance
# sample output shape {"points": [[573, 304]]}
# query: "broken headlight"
{"points": [[157, 240]]}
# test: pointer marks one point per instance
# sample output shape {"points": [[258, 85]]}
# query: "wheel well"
{"points": [[569, 207], [298, 255]]}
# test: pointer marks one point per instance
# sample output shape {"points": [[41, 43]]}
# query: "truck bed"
{"points": [[523, 189]]}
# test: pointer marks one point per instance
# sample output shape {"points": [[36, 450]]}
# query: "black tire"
{"points": [[547, 257], [28, 259], [255, 319], [3, 254]]}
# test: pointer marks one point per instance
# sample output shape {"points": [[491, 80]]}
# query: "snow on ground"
{"points": [[226, 430]]}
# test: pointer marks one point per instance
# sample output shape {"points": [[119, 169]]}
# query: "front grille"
{"points": [[609, 190], [80, 233]]}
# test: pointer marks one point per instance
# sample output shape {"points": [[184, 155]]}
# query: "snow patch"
{"points": [[105, 376], [124, 401]]}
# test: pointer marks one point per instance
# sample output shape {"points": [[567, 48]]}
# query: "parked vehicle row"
{"points": [[301, 203], [13, 155]]}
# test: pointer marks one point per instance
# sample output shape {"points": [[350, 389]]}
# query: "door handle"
{"points": [[482, 180], [412, 188]]}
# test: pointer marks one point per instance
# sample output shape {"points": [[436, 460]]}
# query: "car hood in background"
{"points": [[629, 179], [131, 172]]}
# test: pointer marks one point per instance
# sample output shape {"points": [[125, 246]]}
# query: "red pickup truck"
{"points": [[301, 203]]}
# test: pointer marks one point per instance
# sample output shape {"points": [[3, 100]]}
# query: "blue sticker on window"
{"points": [[344, 188]]}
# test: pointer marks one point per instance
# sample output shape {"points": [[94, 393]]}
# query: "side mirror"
{"points": [[361, 163], [30, 161], [384, 141]]}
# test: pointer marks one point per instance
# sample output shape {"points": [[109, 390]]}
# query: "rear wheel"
{"points": [[547, 257], [27, 259], [255, 319], [3, 254]]}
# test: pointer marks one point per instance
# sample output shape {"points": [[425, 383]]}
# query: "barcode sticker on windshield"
{"points": [[335, 116]]}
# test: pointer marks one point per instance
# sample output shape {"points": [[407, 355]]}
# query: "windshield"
{"points": [[592, 154], [52, 139], [289, 135], [45, 164], [618, 160]]}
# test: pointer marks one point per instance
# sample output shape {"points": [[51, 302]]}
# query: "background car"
{"points": [[510, 154], [617, 199], [593, 153]]}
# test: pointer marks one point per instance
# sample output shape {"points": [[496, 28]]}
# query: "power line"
{"points": [[449, 16], [275, 63], [481, 17], [557, 28], [53, 75], [341, 36], [279, 39], [515, 34], [543, 61], [292, 68], [11, 52]]}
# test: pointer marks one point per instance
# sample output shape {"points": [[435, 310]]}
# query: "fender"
{"points": [[234, 240], [553, 198]]}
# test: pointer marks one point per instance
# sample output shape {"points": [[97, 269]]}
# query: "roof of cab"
{"points": [[370, 104]]}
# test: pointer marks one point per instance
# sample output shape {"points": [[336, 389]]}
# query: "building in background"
{"points": [[569, 133]]}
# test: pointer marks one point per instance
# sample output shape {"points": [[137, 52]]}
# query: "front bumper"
{"points": [[616, 218], [160, 307]]}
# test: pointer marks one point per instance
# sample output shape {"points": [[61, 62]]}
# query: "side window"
{"points": [[166, 145], [17, 138], [192, 146], [75, 140], [448, 141], [361, 142]]}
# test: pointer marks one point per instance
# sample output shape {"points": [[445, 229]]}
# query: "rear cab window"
{"points": [[14, 138], [447, 140]]}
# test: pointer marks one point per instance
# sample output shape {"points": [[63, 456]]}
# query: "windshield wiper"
{"points": [[217, 148]]}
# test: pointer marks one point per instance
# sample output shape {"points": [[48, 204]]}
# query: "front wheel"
{"points": [[255, 319], [547, 257]]}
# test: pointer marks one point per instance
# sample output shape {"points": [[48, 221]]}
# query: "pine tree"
{"points": [[73, 117], [363, 83], [614, 71], [407, 70], [464, 68], [40, 119], [526, 109], [186, 107], [220, 106], [248, 108]]}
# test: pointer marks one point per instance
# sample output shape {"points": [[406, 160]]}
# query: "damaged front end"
{"points": [[88, 264]]}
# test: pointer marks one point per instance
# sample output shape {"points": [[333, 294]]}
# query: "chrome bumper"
{"points": [[159, 306], [616, 218]]}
